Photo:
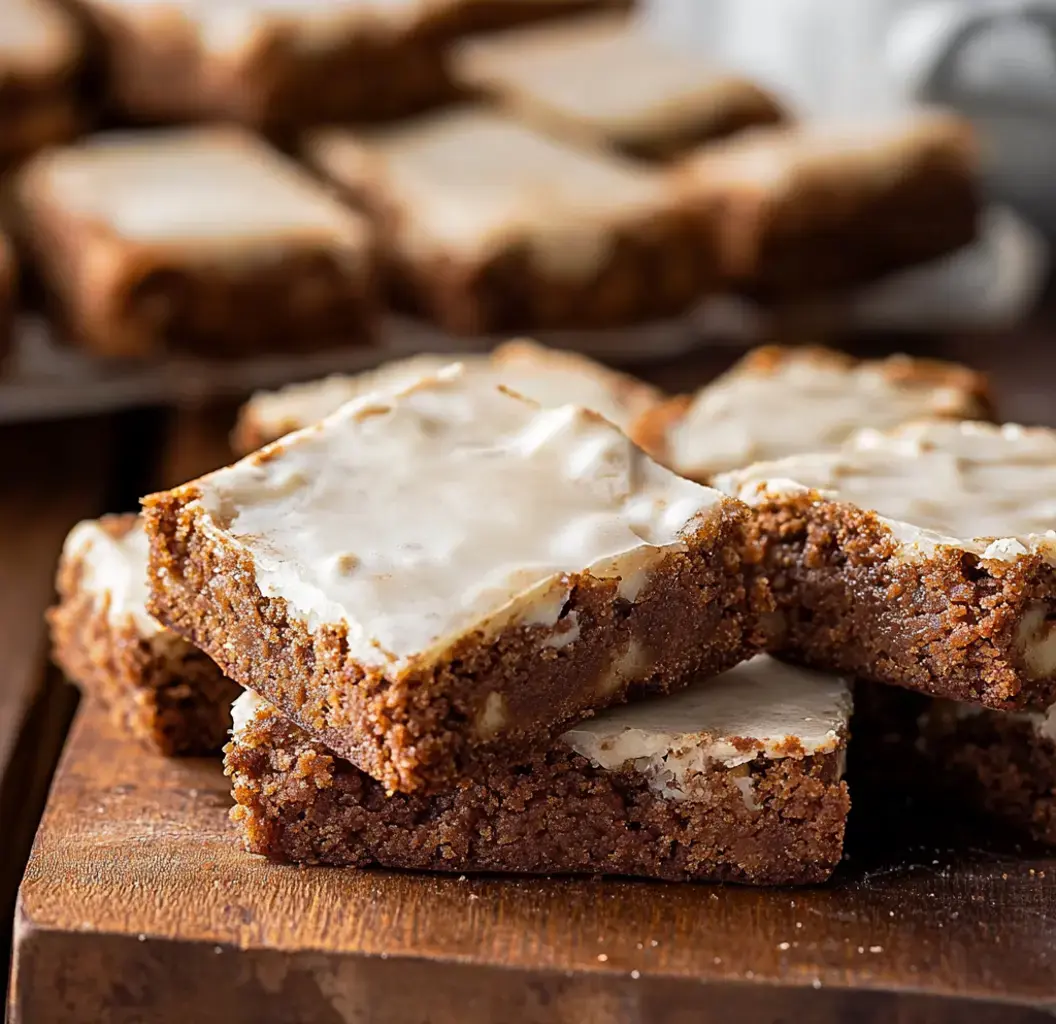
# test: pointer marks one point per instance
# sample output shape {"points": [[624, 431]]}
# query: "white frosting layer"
{"points": [[213, 188], [603, 74], [468, 183], [762, 708], [548, 377], [807, 402], [416, 517], [114, 568], [985, 489], [35, 37], [850, 155]]}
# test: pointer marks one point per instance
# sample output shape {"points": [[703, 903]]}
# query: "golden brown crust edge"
{"points": [[164, 693], [424, 728], [947, 625]]}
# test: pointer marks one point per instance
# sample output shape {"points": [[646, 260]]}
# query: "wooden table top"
{"points": [[138, 904]]}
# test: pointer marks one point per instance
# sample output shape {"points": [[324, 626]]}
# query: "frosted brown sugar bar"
{"points": [[547, 376], [734, 779], [41, 60], [430, 577], [815, 207], [489, 226], [924, 557], [999, 764], [157, 686], [279, 65], [604, 80], [200, 240], [781, 401], [994, 766]]}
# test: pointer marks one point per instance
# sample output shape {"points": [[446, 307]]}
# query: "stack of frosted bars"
{"points": [[477, 631], [472, 625]]}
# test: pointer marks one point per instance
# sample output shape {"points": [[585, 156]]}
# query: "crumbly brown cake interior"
{"points": [[552, 812], [946, 626], [161, 690], [999, 766], [696, 617]]}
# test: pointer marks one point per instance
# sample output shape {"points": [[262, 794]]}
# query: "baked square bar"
{"points": [[811, 208], [605, 80], [41, 61], [547, 376], [995, 766], [924, 557], [202, 240], [429, 577], [734, 779], [489, 227], [8, 296], [157, 686], [781, 401], [279, 65]]}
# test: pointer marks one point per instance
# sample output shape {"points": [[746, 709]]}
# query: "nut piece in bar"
{"points": [[789, 401], [813, 208], [605, 80], [199, 240], [279, 65], [431, 577], [41, 62], [547, 376], [489, 226], [8, 296], [736, 778], [157, 687], [924, 557]]}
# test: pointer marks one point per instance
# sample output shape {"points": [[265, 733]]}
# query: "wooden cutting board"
{"points": [[139, 905]]}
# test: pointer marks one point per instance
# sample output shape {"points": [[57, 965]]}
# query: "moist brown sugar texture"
{"points": [[419, 731], [488, 654], [694, 804], [162, 690], [996, 766], [949, 627], [923, 557]]}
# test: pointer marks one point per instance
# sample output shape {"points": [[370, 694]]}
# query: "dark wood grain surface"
{"points": [[138, 905]]}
